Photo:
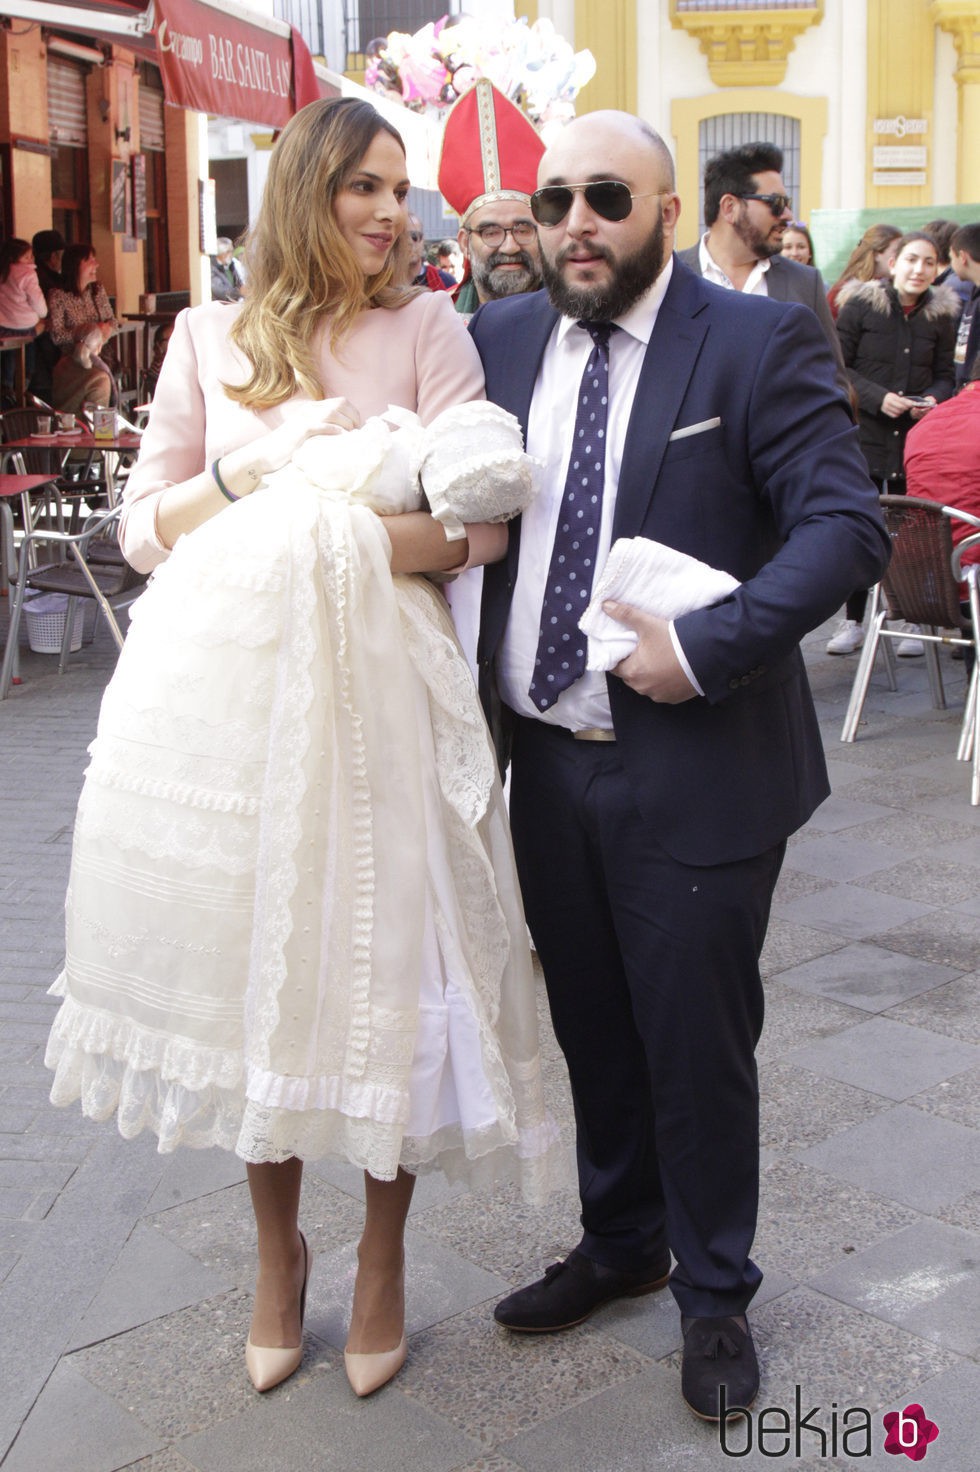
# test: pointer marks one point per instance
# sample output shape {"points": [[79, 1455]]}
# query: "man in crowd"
{"points": [[746, 210], [226, 278], [651, 806], [490, 155], [964, 255]]}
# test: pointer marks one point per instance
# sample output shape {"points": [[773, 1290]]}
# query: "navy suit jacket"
{"points": [[790, 281], [776, 492]]}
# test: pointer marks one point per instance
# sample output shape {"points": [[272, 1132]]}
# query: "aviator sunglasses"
{"points": [[610, 198]]}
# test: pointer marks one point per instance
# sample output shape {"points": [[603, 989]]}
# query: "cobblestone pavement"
{"points": [[125, 1276]]}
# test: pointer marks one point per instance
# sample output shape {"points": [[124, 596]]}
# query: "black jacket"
{"points": [[886, 351]]}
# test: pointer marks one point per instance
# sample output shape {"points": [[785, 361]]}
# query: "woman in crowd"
{"points": [[898, 339], [870, 260], [798, 244], [79, 314], [22, 304], [327, 849]]}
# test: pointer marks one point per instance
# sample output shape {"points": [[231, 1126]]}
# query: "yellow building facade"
{"points": [[875, 102]]}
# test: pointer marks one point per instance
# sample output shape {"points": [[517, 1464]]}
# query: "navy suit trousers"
{"points": [[652, 970]]}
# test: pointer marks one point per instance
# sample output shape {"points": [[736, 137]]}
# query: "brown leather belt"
{"points": [[594, 733]]}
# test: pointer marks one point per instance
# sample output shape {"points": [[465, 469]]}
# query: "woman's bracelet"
{"points": [[229, 496]]}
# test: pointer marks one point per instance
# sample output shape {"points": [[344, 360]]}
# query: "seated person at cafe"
{"points": [[226, 277], [81, 378]]}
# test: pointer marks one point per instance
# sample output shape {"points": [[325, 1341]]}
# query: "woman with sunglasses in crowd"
{"points": [[294, 929], [898, 338]]}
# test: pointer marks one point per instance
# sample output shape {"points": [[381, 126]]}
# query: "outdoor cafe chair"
{"points": [[921, 586], [110, 584]]}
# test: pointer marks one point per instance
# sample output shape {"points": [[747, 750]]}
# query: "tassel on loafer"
{"points": [[368, 1372], [268, 1367]]}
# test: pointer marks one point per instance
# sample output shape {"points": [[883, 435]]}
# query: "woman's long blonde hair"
{"points": [[300, 267]]}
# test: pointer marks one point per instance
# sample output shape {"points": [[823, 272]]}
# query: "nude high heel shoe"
{"points": [[268, 1367], [368, 1372]]}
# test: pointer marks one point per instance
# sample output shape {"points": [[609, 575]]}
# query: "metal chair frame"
{"points": [[87, 578], [924, 592]]}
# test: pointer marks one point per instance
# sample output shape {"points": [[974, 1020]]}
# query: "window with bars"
{"points": [[365, 20], [730, 129]]}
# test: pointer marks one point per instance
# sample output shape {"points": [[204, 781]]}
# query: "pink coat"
{"points": [[22, 303], [419, 356]]}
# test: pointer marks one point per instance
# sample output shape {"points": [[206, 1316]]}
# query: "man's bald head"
{"points": [[613, 125]]}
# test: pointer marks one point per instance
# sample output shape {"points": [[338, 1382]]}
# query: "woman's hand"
{"points": [[242, 469], [918, 410], [895, 405]]}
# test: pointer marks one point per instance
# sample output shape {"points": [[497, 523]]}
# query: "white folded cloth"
{"points": [[654, 578]]}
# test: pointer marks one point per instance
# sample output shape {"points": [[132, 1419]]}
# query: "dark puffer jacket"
{"points": [[886, 351]]}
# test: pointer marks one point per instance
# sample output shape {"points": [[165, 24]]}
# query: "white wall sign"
{"points": [[911, 179], [901, 126], [891, 157]]}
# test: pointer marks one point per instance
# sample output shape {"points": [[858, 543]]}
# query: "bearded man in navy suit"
{"points": [[651, 806]]}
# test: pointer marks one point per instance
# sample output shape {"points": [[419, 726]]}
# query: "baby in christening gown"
{"points": [[293, 924]]}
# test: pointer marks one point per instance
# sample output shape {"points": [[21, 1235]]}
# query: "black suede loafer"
{"points": [[718, 1352], [572, 1290]]}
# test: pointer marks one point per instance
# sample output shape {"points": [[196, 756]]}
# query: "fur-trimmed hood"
{"points": [[939, 301]]}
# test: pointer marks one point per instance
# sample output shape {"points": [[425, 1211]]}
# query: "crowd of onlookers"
{"points": [[907, 319]]}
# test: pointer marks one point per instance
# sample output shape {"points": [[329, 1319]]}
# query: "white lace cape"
{"points": [[253, 812]]}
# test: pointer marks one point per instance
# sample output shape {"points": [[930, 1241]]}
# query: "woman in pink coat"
{"points": [[22, 304], [293, 923]]}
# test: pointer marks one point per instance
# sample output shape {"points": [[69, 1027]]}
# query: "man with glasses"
{"points": [[746, 210], [490, 154], [651, 805]]}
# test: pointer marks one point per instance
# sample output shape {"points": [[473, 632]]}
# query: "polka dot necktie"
{"points": [[560, 658]]}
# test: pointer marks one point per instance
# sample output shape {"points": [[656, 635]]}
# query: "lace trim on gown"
{"points": [[283, 818]]}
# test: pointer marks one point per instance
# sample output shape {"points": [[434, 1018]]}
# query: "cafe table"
{"points": [[16, 488], [109, 447]]}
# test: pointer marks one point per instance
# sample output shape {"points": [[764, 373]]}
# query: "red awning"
{"points": [[213, 58], [217, 62]]}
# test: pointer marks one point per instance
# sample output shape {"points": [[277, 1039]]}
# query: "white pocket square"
{"points": [[689, 429]]}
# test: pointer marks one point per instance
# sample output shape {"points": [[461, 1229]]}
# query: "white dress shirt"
{"points": [[549, 439], [756, 283]]}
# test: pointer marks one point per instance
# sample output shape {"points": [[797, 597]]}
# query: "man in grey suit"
{"points": [[746, 210]]}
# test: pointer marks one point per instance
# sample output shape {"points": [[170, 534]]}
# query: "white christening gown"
{"points": [[293, 922]]}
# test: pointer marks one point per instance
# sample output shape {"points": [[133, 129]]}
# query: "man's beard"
{"points": [[632, 276], [759, 243], [494, 283]]}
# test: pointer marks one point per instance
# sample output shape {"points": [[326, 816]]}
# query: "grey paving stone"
{"points": [[843, 811], [190, 1174], [151, 1277], [924, 1278], [794, 1017], [808, 1221], [906, 1154], [165, 1461], [492, 1384], [902, 789], [886, 1057], [503, 1234], [322, 1425], [789, 944], [955, 1098], [952, 1010], [799, 1107], [847, 910], [848, 858], [963, 1213], [793, 883], [74, 1425], [867, 976], [943, 937], [186, 1372], [836, 1353], [932, 881], [642, 1424], [439, 1284]]}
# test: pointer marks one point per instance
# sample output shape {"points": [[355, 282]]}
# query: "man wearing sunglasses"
{"points": [[746, 210], [651, 806]]}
